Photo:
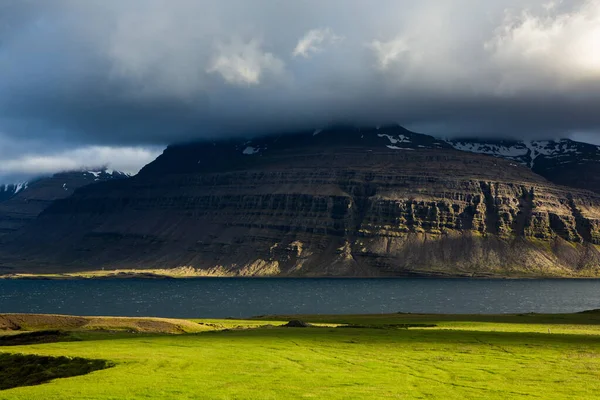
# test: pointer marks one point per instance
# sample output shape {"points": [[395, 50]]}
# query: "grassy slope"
{"points": [[466, 357], [38, 322]]}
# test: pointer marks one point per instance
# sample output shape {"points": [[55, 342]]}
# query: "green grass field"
{"points": [[463, 357]]}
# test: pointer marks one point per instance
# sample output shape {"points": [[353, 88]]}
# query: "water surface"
{"points": [[221, 298]]}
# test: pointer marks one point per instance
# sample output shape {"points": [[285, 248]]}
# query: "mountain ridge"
{"points": [[563, 161], [25, 201], [8, 190], [339, 202]]}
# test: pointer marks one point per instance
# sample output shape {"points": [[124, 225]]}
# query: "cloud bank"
{"points": [[30, 162], [143, 73]]}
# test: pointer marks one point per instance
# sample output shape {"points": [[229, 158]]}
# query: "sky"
{"points": [[112, 82]]}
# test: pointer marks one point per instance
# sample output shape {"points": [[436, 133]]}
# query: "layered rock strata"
{"points": [[383, 202]]}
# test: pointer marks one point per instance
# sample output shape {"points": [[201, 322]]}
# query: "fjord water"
{"points": [[222, 298]]}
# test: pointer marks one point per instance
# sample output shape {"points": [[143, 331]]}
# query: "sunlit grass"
{"points": [[464, 357]]}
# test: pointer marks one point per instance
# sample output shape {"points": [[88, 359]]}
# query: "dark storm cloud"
{"points": [[142, 73]]}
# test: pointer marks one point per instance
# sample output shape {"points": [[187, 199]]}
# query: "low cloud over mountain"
{"points": [[114, 81]]}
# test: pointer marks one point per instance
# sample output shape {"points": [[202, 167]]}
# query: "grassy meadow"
{"points": [[344, 357]]}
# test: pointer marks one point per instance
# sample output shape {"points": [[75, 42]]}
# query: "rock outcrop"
{"points": [[343, 202]]}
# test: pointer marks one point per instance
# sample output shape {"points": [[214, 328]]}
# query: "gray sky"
{"points": [[113, 81]]}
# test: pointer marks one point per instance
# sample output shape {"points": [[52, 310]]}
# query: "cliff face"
{"points": [[381, 202]]}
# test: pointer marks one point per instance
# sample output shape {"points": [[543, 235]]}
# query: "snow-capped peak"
{"points": [[530, 152], [13, 188], [99, 174], [396, 139]]}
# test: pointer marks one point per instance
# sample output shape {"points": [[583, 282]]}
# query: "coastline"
{"points": [[199, 274]]}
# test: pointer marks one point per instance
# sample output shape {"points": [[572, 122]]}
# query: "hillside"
{"points": [[338, 202], [21, 203], [9, 190], [564, 161]]}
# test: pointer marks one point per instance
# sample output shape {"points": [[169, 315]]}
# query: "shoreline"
{"points": [[155, 275]]}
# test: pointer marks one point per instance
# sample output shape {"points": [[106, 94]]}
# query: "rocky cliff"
{"points": [[339, 202]]}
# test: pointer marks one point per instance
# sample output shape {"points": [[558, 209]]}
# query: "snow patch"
{"points": [[251, 150], [20, 187], [14, 187], [533, 154], [525, 152], [96, 174], [492, 149], [395, 140]]}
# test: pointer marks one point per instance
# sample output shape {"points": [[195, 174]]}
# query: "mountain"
{"points": [[9, 190], [21, 203], [334, 202], [564, 161]]}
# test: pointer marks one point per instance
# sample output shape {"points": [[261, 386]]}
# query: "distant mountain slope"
{"points": [[237, 154], [21, 203], [337, 202], [564, 161], [9, 190]]}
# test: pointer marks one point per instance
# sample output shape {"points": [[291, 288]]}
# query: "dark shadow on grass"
{"points": [[26, 370], [409, 336], [36, 337], [591, 317], [390, 326]]}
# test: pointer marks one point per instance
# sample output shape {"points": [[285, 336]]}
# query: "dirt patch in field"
{"points": [[17, 322], [37, 322]]}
